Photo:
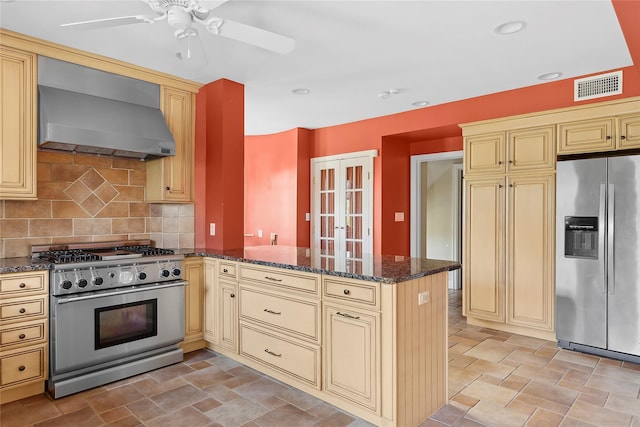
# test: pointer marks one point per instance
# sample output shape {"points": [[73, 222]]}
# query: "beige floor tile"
{"points": [[614, 385], [543, 418], [528, 358], [617, 372], [489, 392], [555, 394], [598, 416], [542, 375], [491, 350], [492, 414], [515, 382], [578, 358], [624, 404], [235, 413]]}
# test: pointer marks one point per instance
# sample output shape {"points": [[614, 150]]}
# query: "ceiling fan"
{"points": [[181, 15]]}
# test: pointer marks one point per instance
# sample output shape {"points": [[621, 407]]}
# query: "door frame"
{"points": [[416, 199]]}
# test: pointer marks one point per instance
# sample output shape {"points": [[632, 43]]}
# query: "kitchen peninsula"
{"points": [[367, 335]]}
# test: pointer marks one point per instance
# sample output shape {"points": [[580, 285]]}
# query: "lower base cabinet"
{"points": [[365, 347]]}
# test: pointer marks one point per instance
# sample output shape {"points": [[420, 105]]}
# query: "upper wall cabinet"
{"points": [[170, 179], [515, 150], [599, 134], [18, 114]]}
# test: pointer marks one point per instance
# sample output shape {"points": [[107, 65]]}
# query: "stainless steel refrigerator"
{"points": [[598, 256]]}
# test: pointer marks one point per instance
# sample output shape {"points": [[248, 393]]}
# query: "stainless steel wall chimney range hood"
{"points": [[85, 110]]}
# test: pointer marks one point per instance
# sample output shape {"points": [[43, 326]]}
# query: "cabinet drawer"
{"points": [[21, 334], [22, 309], [294, 316], [359, 292], [228, 269], [299, 360], [281, 278], [22, 283], [21, 367]]}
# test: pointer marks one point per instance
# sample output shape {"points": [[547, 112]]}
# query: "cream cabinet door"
{"points": [[18, 115], [531, 149], [227, 315], [210, 299], [170, 179], [351, 365], [586, 136], [484, 153], [484, 229], [531, 240], [194, 296], [629, 131]]}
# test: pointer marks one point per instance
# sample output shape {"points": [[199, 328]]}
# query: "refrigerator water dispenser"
{"points": [[581, 237]]}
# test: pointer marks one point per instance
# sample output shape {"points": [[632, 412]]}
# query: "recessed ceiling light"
{"points": [[510, 27], [420, 103], [301, 91], [549, 76], [385, 94]]}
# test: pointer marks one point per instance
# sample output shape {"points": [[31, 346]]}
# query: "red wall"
{"points": [[397, 137]]}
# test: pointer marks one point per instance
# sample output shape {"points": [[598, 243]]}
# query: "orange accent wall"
{"points": [[434, 129], [220, 152]]}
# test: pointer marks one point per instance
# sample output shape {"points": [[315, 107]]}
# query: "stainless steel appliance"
{"points": [[116, 310], [598, 256]]}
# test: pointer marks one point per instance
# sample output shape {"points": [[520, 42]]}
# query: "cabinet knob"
{"points": [[22, 336], [608, 137], [346, 291], [623, 137], [23, 310], [22, 285], [22, 368], [500, 162], [224, 270], [511, 185], [510, 161], [232, 295], [167, 188], [499, 185]]}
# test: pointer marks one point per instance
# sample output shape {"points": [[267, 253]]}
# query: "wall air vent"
{"points": [[597, 86]]}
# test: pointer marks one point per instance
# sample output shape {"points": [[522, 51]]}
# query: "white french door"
{"points": [[342, 212]]}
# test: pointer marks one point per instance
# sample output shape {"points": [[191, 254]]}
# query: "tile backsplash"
{"points": [[85, 198]]}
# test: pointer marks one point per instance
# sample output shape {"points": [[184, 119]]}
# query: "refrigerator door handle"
{"points": [[601, 234], [611, 278]]}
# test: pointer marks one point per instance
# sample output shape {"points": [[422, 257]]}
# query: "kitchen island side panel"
{"points": [[422, 348]]}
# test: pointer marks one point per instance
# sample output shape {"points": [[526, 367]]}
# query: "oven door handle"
{"points": [[120, 292]]}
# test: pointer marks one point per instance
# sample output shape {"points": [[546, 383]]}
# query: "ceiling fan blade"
{"points": [[251, 35], [190, 47], [108, 22]]}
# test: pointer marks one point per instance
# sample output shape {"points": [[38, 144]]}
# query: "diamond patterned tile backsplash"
{"points": [[86, 198]]}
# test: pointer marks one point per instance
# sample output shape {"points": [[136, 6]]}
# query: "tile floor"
{"points": [[495, 379]]}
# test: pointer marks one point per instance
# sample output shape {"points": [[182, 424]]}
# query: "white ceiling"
{"points": [[347, 52]]}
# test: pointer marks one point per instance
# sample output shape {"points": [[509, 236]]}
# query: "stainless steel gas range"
{"points": [[116, 310]]}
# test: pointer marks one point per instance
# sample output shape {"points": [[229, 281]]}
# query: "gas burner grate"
{"points": [[146, 250], [67, 256]]}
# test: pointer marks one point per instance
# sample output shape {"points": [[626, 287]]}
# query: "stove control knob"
{"points": [[165, 273], [82, 283], [142, 275], [98, 281], [176, 272], [67, 284]]}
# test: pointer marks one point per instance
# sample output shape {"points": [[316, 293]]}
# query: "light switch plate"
{"points": [[423, 297], [399, 216], [212, 229]]}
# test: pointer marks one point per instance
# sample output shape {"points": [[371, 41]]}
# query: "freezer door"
{"points": [[623, 265], [581, 299]]}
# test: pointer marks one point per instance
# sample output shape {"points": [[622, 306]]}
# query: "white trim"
{"points": [[454, 276], [366, 153], [415, 194]]}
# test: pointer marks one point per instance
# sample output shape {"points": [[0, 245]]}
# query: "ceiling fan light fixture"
{"points": [[386, 94], [301, 91], [510, 27], [420, 103], [549, 76]]}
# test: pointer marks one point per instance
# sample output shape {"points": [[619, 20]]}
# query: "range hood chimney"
{"points": [[85, 110]]}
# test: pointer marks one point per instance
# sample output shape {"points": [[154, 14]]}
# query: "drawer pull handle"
{"points": [[347, 315], [347, 292], [224, 270], [272, 312], [22, 285], [266, 350], [22, 368], [273, 279], [23, 310], [22, 336]]}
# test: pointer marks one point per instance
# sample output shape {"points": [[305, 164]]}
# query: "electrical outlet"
{"points": [[307, 216], [260, 233], [423, 297], [212, 229], [399, 216]]}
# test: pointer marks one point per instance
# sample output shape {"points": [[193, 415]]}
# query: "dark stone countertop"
{"points": [[374, 268], [17, 265]]}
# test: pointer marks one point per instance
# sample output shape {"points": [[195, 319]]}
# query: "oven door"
{"points": [[98, 327]]}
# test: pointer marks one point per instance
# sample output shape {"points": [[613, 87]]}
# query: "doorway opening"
{"points": [[436, 209]]}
